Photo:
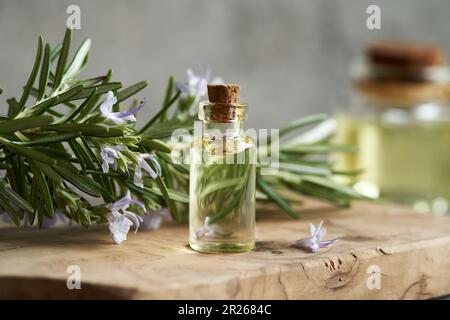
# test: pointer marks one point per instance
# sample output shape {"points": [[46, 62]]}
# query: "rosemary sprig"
{"points": [[51, 141], [52, 157]]}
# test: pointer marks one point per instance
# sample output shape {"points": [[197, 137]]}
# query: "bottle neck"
{"points": [[228, 130]]}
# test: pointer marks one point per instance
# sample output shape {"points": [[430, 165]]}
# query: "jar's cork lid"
{"points": [[224, 104], [224, 93], [405, 54]]}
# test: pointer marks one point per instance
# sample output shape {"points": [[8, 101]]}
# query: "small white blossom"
{"points": [[120, 223], [197, 84], [118, 117], [119, 226], [314, 243], [143, 165], [109, 155]]}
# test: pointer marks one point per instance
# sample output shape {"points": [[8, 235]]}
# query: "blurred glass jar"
{"points": [[399, 118]]}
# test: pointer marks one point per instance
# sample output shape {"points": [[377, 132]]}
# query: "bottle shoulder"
{"points": [[358, 106], [224, 146]]}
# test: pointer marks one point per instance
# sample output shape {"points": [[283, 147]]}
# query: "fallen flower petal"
{"points": [[314, 243]]}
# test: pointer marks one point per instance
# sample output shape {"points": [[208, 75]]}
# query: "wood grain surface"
{"points": [[412, 252]]}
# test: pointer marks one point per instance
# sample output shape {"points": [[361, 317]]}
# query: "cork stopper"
{"points": [[405, 54], [224, 105], [404, 74], [224, 93]]}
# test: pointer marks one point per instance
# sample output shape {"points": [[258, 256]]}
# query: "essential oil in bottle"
{"points": [[399, 118], [222, 176]]}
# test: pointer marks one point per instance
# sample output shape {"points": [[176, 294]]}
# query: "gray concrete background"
{"points": [[290, 56]]}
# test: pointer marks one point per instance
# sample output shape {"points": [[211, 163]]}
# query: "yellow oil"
{"points": [[404, 162], [222, 195]]}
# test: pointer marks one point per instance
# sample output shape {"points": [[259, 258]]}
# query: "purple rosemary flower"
{"points": [[118, 117], [109, 155], [120, 223], [143, 165], [125, 202], [153, 219], [315, 243], [196, 85]]}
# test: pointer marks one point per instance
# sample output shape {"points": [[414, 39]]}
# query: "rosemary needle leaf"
{"points": [[92, 105], [222, 213], [10, 126], [169, 90], [232, 183], [173, 194], [171, 204], [154, 144], [14, 197], [55, 52], [58, 154], [49, 172], [5, 204], [179, 167], [275, 197], [62, 61], [83, 183], [28, 152], [87, 129], [44, 190], [50, 139], [45, 70], [168, 95], [100, 89], [317, 149], [130, 91], [60, 98], [328, 183], [304, 169], [32, 78], [88, 82], [79, 61], [303, 122], [76, 111]]}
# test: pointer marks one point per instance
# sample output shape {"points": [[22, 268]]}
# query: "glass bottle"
{"points": [[399, 118], [222, 176]]}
